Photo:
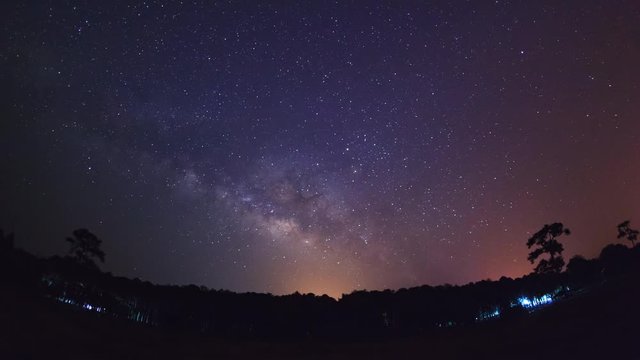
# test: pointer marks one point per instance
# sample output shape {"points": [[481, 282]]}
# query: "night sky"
{"points": [[319, 147]]}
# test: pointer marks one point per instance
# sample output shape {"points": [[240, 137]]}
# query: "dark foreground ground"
{"points": [[601, 324]]}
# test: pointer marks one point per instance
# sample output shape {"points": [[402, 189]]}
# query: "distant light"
{"points": [[527, 303], [488, 314]]}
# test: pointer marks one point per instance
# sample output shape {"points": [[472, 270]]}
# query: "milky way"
{"points": [[319, 147]]}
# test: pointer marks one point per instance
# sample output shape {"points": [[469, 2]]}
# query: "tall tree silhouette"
{"points": [[546, 243], [85, 247], [625, 231]]}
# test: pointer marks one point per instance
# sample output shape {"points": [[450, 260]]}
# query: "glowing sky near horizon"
{"points": [[319, 147]]}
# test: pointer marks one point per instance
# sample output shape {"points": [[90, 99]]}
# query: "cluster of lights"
{"points": [[488, 315], [523, 301], [527, 303], [84, 306], [93, 308], [66, 301]]}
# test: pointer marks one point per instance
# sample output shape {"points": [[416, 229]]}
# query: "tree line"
{"points": [[76, 279]]}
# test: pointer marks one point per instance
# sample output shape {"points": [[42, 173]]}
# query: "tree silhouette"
{"points": [[546, 243], [625, 231], [85, 247]]}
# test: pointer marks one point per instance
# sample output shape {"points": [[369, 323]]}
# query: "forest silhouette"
{"points": [[75, 283]]}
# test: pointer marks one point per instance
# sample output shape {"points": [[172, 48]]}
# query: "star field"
{"points": [[319, 147]]}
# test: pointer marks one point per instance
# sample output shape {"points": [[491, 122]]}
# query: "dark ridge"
{"points": [[592, 298]]}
